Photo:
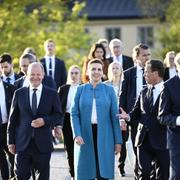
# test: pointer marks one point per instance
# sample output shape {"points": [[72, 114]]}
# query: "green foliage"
{"points": [[29, 23], [169, 34]]}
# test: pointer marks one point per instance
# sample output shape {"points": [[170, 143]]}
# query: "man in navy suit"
{"points": [[151, 135], [6, 91], [169, 115], [131, 86], [53, 66], [6, 64], [24, 62], [34, 111], [116, 47]]}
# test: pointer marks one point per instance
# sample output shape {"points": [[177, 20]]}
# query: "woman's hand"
{"points": [[79, 140]]}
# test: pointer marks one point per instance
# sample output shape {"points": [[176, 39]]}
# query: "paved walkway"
{"points": [[59, 167]]}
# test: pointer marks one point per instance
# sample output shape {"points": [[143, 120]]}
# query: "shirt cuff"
{"points": [[178, 121], [58, 126]]}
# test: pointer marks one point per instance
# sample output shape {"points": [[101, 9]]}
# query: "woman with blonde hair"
{"points": [[170, 70], [66, 94], [115, 77]]}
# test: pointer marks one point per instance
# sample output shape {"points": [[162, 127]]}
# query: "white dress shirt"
{"points": [[47, 60], [94, 113], [118, 59], [38, 93], [70, 98], [26, 82], [157, 90], [178, 118], [139, 80], [172, 72], [3, 104], [11, 76]]}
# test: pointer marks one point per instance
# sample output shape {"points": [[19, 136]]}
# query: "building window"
{"points": [[146, 36], [112, 33]]}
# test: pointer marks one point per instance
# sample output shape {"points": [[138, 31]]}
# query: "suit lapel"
{"points": [[7, 96], [133, 76], [27, 96]]}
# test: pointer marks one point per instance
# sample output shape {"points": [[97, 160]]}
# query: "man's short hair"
{"points": [[49, 41], [28, 56], [6, 57], [157, 65], [136, 49], [95, 60]]}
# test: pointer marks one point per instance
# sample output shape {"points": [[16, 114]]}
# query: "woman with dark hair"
{"points": [[97, 51], [96, 129]]}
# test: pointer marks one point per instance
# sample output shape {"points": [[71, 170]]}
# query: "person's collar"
{"points": [[139, 67], [48, 56], [39, 88], [179, 74], [120, 56], [1, 82], [158, 86], [11, 76]]}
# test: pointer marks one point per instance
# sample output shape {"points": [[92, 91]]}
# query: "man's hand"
{"points": [[37, 123], [58, 133], [117, 148], [79, 140], [12, 148], [123, 115]]}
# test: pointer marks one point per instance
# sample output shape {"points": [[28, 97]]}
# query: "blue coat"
{"points": [[109, 132]]}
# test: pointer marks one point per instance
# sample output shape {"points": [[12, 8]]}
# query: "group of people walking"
{"points": [[115, 96]]}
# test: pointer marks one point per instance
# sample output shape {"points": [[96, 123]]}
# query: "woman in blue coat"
{"points": [[95, 127]]}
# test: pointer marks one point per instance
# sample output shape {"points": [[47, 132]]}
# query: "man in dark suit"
{"points": [[151, 136], [30, 122], [24, 62], [6, 91], [116, 47], [131, 86], [53, 66], [8, 74], [169, 115]]}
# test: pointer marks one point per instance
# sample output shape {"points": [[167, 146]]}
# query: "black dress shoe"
{"points": [[122, 173]]}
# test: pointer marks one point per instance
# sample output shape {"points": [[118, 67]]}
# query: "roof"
{"points": [[112, 9]]}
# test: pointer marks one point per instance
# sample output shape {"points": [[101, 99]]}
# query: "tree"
{"points": [[29, 23], [169, 16], [169, 34]]}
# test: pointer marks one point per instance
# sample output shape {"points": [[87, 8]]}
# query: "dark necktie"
{"points": [[50, 67], [151, 102], [144, 81], [8, 80], [0, 116], [34, 102]]}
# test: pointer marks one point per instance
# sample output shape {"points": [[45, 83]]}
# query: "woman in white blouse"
{"points": [[66, 94]]}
